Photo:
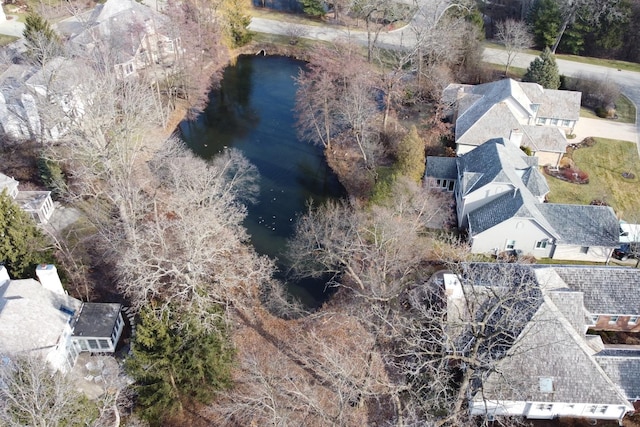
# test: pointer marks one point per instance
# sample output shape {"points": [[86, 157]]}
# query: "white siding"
{"points": [[525, 232]]}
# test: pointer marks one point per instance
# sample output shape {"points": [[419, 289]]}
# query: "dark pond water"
{"points": [[281, 5], [253, 112]]}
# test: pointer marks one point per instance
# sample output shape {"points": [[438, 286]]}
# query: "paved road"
{"points": [[628, 81]]}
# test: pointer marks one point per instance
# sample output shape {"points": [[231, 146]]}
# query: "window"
{"points": [[104, 344], [540, 120], [93, 344], [511, 244], [613, 319], [83, 345], [438, 182], [594, 319], [451, 185], [554, 122], [633, 319], [566, 123], [541, 244], [584, 250]]}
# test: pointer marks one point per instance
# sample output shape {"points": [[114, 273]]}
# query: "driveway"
{"points": [[604, 129]]}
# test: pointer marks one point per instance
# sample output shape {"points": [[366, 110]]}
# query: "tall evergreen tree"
{"points": [[545, 20], [544, 71], [41, 40], [175, 361], [313, 8], [22, 245], [236, 19]]}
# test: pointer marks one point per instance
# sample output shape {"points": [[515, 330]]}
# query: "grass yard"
{"points": [[604, 162]]}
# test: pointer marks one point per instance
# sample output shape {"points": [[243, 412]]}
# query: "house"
{"points": [[38, 317], [131, 31], [38, 204], [525, 113], [552, 367], [500, 194]]}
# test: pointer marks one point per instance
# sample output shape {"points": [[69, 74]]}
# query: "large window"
{"points": [[93, 344]]}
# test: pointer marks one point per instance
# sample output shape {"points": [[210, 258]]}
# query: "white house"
{"points": [[38, 317], [553, 368], [132, 31], [499, 194], [38, 204], [525, 113]]}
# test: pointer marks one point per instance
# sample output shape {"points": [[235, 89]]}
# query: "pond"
{"points": [[291, 6], [253, 112]]}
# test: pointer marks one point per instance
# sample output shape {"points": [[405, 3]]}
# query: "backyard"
{"points": [[605, 163]]}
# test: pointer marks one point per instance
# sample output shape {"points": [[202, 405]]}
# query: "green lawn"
{"points": [[604, 162], [5, 40]]}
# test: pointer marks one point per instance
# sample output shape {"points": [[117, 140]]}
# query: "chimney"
{"points": [[4, 275], [48, 277], [516, 137], [452, 286]]}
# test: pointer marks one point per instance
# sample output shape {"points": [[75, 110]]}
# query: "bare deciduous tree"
{"points": [[31, 394], [190, 249], [515, 36], [375, 253]]}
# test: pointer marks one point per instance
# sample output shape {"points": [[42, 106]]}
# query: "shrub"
{"points": [[601, 112], [526, 150]]}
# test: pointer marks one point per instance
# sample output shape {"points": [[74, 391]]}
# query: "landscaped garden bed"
{"points": [[613, 168]]}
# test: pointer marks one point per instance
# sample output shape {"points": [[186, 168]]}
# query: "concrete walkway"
{"points": [[12, 27]]}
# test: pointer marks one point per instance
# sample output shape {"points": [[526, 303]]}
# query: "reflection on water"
{"points": [[281, 5], [253, 112]]}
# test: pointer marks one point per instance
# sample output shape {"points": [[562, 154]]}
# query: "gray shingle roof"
{"points": [[497, 121], [561, 104], [483, 111], [623, 369], [507, 206], [583, 225], [535, 182], [441, 167], [544, 138], [494, 161], [549, 347], [607, 290]]}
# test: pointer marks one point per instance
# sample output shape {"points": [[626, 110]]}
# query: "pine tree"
{"points": [[22, 245], [41, 41], [411, 156], [314, 8], [544, 71], [236, 19], [174, 361]]}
